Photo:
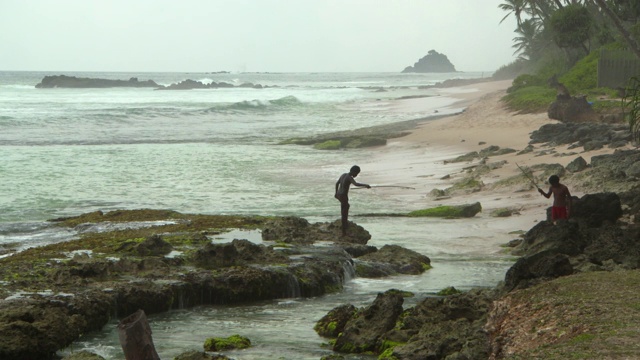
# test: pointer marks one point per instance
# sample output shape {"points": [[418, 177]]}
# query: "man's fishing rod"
{"points": [[387, 186]]}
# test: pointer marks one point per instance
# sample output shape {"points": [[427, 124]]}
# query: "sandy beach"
{"points": [[419, 160]]}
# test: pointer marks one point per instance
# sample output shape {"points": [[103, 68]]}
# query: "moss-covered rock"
{"points": [[199, 355], [328, 145], [502, 212], [83, 355], [366, 142], [233, 342], [332, 324], [448, 291], [469, 184], [449, 211], [464, 158]]}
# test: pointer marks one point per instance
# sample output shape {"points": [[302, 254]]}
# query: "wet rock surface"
{"points": [[77, 286], [465, 325]]}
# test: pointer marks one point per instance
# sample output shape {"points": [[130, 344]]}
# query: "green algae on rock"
{"points": [[449, 211], [233, 342]]}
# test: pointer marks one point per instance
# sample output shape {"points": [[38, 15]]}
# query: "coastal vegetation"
{"points": [[566, 39]]}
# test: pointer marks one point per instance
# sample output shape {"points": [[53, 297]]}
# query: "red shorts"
{"points": [[559, 212]]}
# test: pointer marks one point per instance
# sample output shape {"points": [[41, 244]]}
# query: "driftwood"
{"points": [[134, 333]]}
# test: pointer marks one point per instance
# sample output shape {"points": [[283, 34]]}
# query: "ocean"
{"points": [[64, 152]]}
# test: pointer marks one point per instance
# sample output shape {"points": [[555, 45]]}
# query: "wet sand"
{"points": [[418, 160]]}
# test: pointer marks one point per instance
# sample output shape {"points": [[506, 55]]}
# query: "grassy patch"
{"points": [[531, 99], [578, 317]]}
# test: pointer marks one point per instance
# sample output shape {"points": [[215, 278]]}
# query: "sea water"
{"points": [[64, 152]]}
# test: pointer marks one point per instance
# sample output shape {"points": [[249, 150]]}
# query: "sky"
{"points": [[251, 35]]}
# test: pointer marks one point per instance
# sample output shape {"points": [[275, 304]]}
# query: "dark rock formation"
{"points": [[83, 355], [577, 165], [433, 62], [35, 326], [620, 164], [593, 210], [364, 331], [64, 81], [294, 230], [238, 252], [455, 327], [542, 266], [391, 260], [199, 355], [436, 328], [448, 327], [154, 246], [333, 324], [571, 109], [587, 240], [580, 134], [193, 84]]}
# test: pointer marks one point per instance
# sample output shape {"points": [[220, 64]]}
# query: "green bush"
{"points": [[526, 80], [583, 75], [532, 99]]}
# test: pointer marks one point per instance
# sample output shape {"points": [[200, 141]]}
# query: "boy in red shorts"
{"points": [[561, 199]]}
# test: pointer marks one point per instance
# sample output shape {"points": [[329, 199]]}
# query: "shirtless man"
{"points": [[561, 199], [342, 194]]}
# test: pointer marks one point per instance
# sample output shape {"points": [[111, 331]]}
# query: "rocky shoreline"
{"points": [[548, 306], [589, 256], [52, 294], [65, 81], [86, 282]]}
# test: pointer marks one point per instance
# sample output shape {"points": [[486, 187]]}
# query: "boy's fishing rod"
{"points": [[528, 176]]}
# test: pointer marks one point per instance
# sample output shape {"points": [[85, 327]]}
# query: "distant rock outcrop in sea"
{"points": [[192, 84], [64, 81], [433, 62]]}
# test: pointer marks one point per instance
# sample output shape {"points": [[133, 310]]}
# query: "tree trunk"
{"points": [[134, 333], [625, 34]]}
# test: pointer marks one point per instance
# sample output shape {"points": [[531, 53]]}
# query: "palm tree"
{"points": [[525, 42], [633, 45], [513, 6]]}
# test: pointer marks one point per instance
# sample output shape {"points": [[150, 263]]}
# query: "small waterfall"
{"points": [[348, 271], [292, 287]]}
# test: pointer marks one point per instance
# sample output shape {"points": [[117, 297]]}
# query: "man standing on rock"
{"points": [[342, 194]]}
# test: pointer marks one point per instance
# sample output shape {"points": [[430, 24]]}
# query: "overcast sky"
{"points": [[251, 35]]}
